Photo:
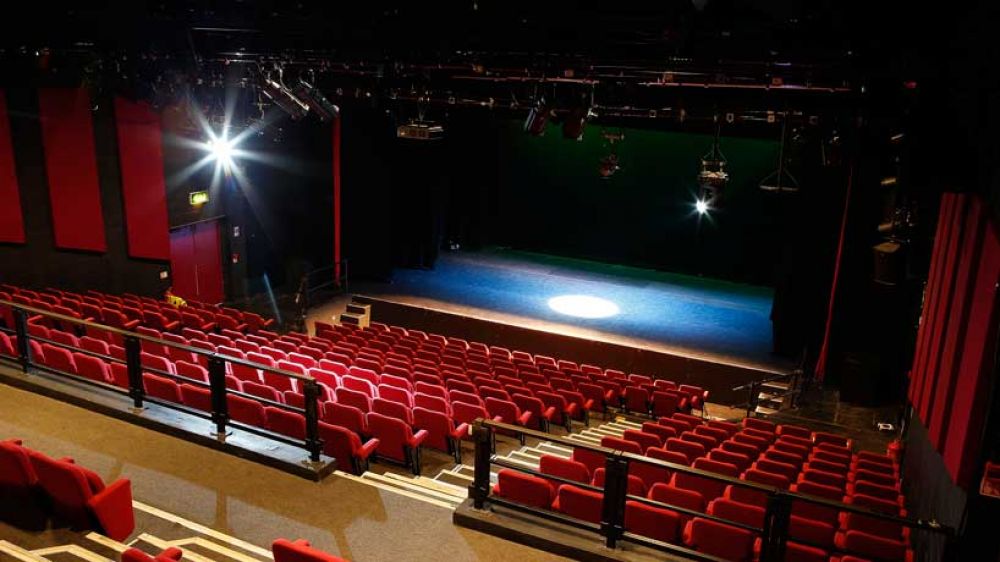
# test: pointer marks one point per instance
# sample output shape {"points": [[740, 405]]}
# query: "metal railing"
{"points": [[774, 532], [216, 362]]}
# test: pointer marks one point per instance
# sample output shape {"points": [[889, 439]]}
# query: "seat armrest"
{"points": [[418, 438], [498, 419], [368, 448], [525, 418], [609, 396], [572, 409], [112, 507], [461, 431], [549, 413], [589, 404]]}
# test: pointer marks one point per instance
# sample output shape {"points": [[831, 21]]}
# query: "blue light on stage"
{"points": [[583, 306]]}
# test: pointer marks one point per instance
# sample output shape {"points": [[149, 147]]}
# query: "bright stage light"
{"points": [[221, 149], [583, 306], [701, 206]]}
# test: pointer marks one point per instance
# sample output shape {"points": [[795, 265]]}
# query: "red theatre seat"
{"points": [[80, 497], [524, 489], [345, 446], [442, 433], [171, 554], [718, 539], [396, 440], [579, 503]]}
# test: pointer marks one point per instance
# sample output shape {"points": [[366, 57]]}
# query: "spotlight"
{"points": [[222, 150], [277, 92], [538, 117], [712, 176], [701, 206], [316, 101]]}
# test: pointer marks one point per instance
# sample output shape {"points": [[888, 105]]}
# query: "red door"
{"points": [[196, 262]]}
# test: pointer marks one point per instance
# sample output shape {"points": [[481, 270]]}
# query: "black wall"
{"points": [[38, 263]]}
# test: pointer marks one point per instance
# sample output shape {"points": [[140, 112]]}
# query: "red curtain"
{"points": [[11, 220], [71, 165], [140, 155], [952, 361]]}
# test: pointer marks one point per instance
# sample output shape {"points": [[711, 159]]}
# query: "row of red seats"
{"points": [[69, 492], [130, 311], [737, 456]]}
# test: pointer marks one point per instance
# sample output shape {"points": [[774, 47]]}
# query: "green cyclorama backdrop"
{"points": [[552, 199]]}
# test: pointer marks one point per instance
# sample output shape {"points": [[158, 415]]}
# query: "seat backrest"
{"points": [[246, 410], [291, 424], [161, 387], [738, 512], [196, 397], [438, 425], [653, 522], [672, 495], [393, 410], [621, 444], [393, 434], [524, 488], [564, 468], [345, 416], [191, 371], [67, 486], [643, 439], [300, 551], [94, 345], [580, 503], [16, 471], [719, 539], [91, 367], [354, 398], [880, 548], [691, 450], [468, 413], [395, 394], [434, 403]]}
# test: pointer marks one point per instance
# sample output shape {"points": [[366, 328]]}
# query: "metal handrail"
{"points": [[777, 513], [136, 388]]}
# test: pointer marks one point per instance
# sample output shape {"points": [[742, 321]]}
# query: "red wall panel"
{"points": [[955, 332], [140, 156], [71, 165], [968, 408], [11, 220]]}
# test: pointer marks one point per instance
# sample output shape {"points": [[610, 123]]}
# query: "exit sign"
{"points": [[197, 198]]}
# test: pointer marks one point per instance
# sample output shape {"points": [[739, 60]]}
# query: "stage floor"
{"points": [[682, 315]]}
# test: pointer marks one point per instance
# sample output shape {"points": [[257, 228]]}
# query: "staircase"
{"points": [[772, 396], [199, 543], [450, 487]]}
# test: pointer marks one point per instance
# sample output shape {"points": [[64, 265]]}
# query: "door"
{"points": [[196, 262]]}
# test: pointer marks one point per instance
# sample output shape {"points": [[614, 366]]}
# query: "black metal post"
{"points": [[133, 361], [217, 384], [615, 490], [23, 348], [777, 519], [313, 443], [751, 399], [482, 436]]}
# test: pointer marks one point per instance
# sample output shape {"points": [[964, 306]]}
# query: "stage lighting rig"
{"points": [[420, 130], [538, 118], [609, 164], [712, 177], [277, 92], [780, 180], [316, 101]]}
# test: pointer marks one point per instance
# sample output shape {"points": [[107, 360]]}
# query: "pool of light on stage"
{"points": [[583, 306]]}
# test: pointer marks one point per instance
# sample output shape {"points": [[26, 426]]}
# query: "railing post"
{"points": [[217, 384], [133, 362], [313, 443], [482, 436], [23, 348], [615, 490], [776, 522], [751, 399]]}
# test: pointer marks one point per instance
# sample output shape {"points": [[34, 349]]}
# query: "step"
{"points": [[524, 457], [221, 538], [553, 449], [530, 465], [453, 479], [765, 411], [215, 550], [610, 432], [396, 490], [159, 544], [532, 452], [585, 439], [459, 491], [777, 385], [74, 550], [359, 308], [628, 423], [771, 397], [23, 555], [430, 484], [411, 486]]}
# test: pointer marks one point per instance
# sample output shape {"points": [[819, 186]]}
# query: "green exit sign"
{"points": [[197, 198]]}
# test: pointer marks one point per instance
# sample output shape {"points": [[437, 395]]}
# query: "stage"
{"points": [[690, 324]]}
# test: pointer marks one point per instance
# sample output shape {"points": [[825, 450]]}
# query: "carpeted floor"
{"points": [[682, 314], [246, 500]]}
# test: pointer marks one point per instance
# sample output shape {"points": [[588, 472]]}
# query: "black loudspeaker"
{"points": [[890, 262]]}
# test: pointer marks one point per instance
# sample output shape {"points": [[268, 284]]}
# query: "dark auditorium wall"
{"points": [[39, 262], [283, 206]]}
